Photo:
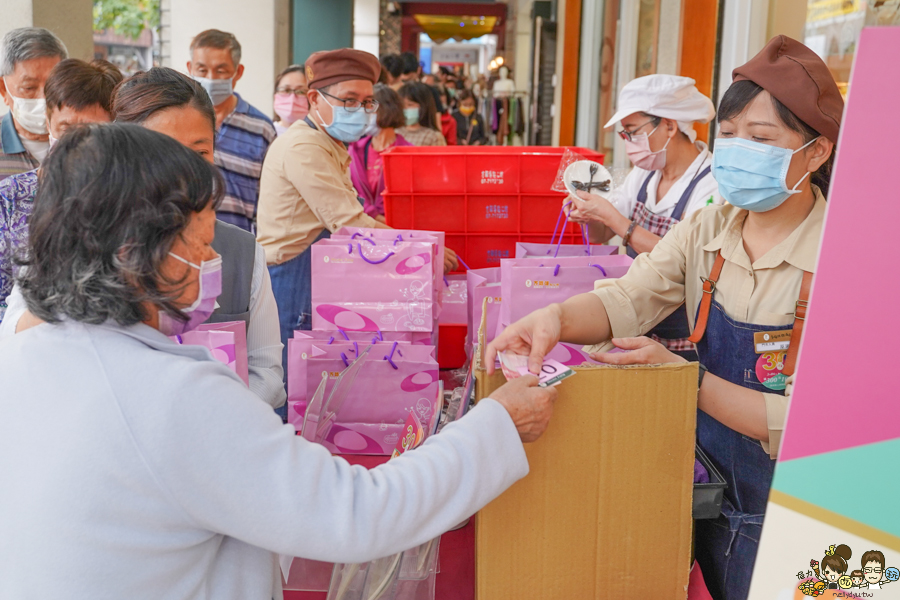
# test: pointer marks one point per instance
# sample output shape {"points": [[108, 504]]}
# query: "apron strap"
{"points": [[642, 193], [709, 288], [678, 212], [790, 361]]}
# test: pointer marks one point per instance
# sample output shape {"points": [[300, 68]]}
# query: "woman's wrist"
{"points": [[619, 224]]}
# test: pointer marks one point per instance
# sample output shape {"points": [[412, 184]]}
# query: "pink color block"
{"points": [[845, 393]]}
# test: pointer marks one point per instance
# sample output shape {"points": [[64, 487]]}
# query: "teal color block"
{"points": [[320, 25], [861, 483]]}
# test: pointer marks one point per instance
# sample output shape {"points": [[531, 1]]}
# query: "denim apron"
{"points": [[726, 547], [292, 287], [672, 331]]}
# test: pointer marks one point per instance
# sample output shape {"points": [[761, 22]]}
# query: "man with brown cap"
{"points": [[305, 191], [744, 271]]}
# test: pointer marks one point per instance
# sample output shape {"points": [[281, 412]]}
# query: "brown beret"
{"points": [[797, 77], [334, 66]]}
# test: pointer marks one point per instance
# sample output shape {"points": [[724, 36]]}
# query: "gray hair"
{"points": [[221, 40], [26, 43]]}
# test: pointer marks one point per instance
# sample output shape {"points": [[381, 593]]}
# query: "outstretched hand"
{"points": [[641, 351], [535, 336]]}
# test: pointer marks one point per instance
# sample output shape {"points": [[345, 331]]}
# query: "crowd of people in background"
{"points": [[195, 206]]}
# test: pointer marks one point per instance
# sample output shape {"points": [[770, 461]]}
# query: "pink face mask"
{"points": [[205, 305], [638, 150], [291, 107]]}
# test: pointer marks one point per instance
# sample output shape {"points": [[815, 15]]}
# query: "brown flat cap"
{"points": [[334, 66], [797, 78]]}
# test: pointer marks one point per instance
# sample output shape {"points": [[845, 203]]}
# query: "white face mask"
{"points": [[30, 113], [219, 90]]}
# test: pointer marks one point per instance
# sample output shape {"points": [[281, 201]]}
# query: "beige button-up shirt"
{"points": [[762, 293], [305, 187]]}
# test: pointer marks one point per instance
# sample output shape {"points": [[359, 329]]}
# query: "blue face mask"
{"points": [[752, 175], [346, 126]]}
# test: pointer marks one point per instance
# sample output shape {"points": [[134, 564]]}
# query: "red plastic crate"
{"points": [[486, 198], [452, 345]]}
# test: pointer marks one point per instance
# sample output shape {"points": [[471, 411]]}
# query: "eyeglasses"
{"points": [[627, 135], [353, 105], [297, 92], [871, 570]]}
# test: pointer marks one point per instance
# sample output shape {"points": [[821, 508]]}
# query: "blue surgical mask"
{"points": [[411, 115], [346, 126], [752, 175], [219, 90]]}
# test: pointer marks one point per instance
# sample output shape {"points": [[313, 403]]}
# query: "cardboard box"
{"points": [[605, 512]]}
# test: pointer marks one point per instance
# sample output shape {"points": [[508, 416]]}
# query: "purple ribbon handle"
{"points": [[463, 263], [559, 242], [556, 271], [390, 357], [344, 358], [374, 262], [602, 270], [331, 340], [344, 333]]}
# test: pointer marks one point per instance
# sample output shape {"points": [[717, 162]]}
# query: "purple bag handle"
{"points": [[390, 357], [463, 263], [366, 258], [558, 219], [602, 270], [559, 242], [358, 234]]}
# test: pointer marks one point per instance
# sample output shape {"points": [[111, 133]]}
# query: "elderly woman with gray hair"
{"points": [[148, 469]]}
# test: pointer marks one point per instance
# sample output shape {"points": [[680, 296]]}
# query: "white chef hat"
{"points": [[667, 96]]}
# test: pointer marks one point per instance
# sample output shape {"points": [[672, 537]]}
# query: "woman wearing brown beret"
{"points": [[744, 272]]}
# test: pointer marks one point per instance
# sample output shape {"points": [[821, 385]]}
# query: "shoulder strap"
{"points": [[790, 362], [679, 209], [642, 194], [709, 288]]}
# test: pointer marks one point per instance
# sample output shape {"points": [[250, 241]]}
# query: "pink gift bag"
{"points": [[417, 338], [528, 250], [395, 380], [455, 299], [528, 284], [364, 285], [221, 344], [239, 328], [482, 284], [404, 235]]}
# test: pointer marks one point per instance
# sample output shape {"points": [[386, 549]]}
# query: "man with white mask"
{"points": [[671, 177], [27, 55], [243, 133]]}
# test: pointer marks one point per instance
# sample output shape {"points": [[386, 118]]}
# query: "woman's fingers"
{"points": [[633, 343], [617, 358]]}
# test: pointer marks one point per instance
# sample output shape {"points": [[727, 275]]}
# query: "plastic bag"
{"points": [[568, 157]]}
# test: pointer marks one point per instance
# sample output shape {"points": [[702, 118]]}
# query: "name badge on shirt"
{"points": [[772, 347], [771, 341]]}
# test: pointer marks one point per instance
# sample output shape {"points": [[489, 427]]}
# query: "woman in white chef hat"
{"points": [[670, 180]]}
